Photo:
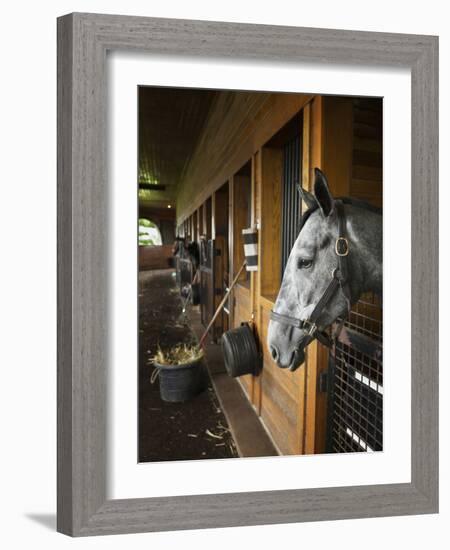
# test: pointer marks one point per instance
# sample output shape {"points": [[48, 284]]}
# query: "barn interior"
{"points": [[211, 164]]}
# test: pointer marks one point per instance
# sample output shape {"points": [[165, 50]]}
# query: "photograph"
{"points": [[260, 265], [221, 274]]}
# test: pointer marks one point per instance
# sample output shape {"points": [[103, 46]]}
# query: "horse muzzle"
{"points": [[298, 359], [291, 361], [286, 347]]}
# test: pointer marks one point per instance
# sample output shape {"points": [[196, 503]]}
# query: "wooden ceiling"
{"points": [[170, 122]]}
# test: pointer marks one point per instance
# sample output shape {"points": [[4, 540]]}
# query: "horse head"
{"points": [[336, 257]]}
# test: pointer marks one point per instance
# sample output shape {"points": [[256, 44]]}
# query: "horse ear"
{"points": [[308, 197], [322, 192]]}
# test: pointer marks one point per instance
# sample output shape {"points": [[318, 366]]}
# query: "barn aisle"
{"points": [[173, 431]]}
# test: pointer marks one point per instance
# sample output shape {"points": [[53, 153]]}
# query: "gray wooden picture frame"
{"points": [[83, 41]]}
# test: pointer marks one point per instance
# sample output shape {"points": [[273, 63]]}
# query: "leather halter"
{"points": [[339, 280]]}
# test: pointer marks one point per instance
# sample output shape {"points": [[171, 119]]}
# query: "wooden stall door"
{"points": [[281, 392]]}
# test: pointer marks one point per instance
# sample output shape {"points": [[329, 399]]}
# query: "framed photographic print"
{"points": [[247, 284]]}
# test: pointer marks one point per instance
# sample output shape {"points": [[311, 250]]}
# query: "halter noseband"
{"points": [[339, 279]]}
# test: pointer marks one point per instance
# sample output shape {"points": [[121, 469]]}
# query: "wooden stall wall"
{"points": [[155, 257], [339, 135], [366, 182], [346, 143]]}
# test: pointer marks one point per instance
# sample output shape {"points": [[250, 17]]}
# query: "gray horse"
{"points": [[336, 235]]}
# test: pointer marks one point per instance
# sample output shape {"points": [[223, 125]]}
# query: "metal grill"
{"points": [[355, 412], [292, 159]]}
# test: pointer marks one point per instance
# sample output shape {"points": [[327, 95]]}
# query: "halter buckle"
{"points": [[312, 327], [341, 247]]}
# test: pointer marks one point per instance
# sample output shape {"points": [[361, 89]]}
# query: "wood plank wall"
{"points": [[241, 219], [367, 165], [239, 124], [270, 188]]}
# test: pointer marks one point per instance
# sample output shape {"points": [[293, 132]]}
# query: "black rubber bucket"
{"points": [[240, 351], [179, 383], [195, 294]]}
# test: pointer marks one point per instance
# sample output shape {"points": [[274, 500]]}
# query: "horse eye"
{"points": [[304, 264]]}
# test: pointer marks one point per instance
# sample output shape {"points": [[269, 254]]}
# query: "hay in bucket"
{"points": [[181, 354], [180, 371]]}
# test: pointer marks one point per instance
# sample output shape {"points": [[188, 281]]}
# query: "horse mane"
{"points": [[361, 204], [346, 200]]}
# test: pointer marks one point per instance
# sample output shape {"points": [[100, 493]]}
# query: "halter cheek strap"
{"points": [[339, 280]]}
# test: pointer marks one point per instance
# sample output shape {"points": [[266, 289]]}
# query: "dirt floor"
{"points": [[173, 431]]}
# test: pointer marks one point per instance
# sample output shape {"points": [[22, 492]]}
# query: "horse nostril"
{"points": [[275, 353]]}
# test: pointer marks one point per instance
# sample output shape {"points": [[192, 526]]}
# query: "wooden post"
{"points": [[231, 242], [330, 150], [312, 354], [256, 276], [305, 179], [253, 274]]}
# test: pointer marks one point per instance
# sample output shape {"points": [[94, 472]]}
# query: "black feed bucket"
{"points": [[179, 383], [240, 351]]}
